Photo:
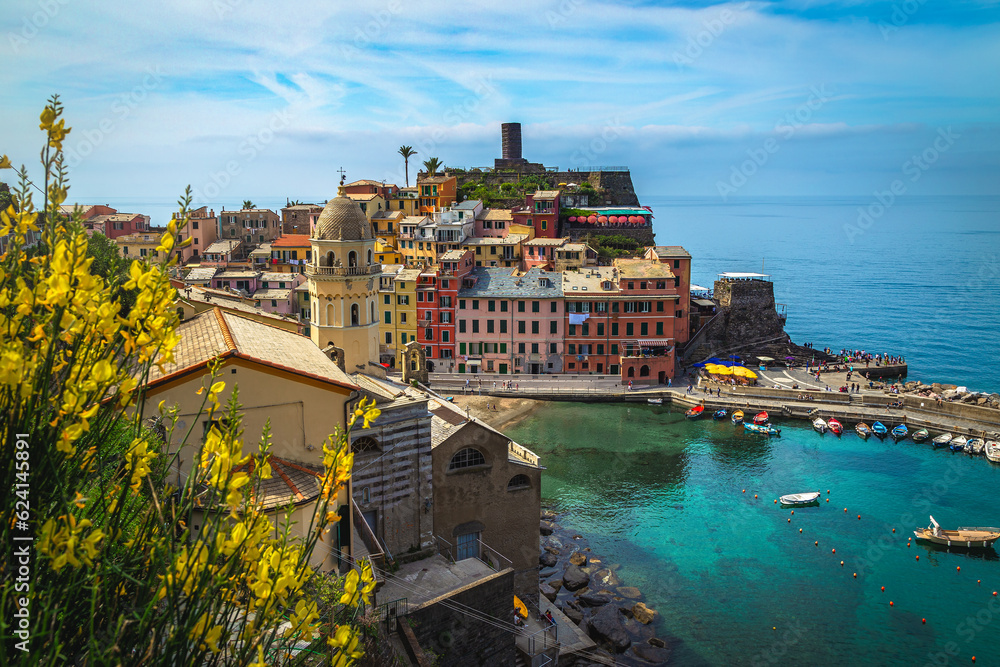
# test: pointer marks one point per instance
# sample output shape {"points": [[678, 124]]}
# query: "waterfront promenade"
{"points": [[809, 400]]}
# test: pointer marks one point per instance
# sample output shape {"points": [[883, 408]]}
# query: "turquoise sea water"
{"points": [[920, 280], [663, 496]]}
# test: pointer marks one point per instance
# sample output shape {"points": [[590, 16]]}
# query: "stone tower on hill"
{"points": [[343, 283]]}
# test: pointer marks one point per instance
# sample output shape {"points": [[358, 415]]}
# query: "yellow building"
{"points": [[282, 378], [406, 310], [344, 283], [370, 203], [387, 314], [387, 254], [138, 246], [290, 253], [416, 249], [405, 200]]}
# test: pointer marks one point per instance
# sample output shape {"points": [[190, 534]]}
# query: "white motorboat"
{"points": [[992, 450], [799, 498], [819, 425]]}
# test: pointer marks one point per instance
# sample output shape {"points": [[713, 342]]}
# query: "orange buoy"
{"points": [[789, 521], [859, 517], [817, 542], [800, 530], [918, 557], [924, 621], [894, 530], [855, 575], [890, 603], [845, 509], [828, 491], [774, 628], [827, 500], [973, 658], [883, 589], [834, 551], [994, 593], [841, 563], [908, 545], [775, 501], [958, 569], [979, 581], [755, 495], [744, 490], [793, 511]]}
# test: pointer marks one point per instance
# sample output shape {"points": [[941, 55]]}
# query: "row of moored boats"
{"points": [[957, 443], [758, 424]]}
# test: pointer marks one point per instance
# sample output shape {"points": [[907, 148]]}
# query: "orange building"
{"points": [[436, 192]]}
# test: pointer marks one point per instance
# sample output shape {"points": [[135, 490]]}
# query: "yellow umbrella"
{"points": [[520, 608], [720, 370], [744, 372]]}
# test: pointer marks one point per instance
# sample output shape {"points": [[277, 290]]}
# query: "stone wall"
{"points": [[459, 640], [748, 313], [644, 235]]}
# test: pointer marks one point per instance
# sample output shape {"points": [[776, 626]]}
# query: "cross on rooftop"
{"points": [[343, 175]]}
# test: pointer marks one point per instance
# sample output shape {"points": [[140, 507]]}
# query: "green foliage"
{"points": [[6, 198], [432, 165], [110, 265], [247, 204], [613, 245]]}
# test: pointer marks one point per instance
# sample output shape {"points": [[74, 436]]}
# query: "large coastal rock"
{"points": [[994, 400], [652, 654], [548, 559], [545, 528], [572, 612], [642, 613], [578, 558], [548, 591], [574, 578], [629, 592], [606, 626], [607, 577], [592, 599]]}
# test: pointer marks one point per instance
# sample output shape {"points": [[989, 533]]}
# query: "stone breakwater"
{"points": [[587, 589]]}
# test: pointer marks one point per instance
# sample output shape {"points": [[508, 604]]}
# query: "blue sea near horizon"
{"points": [[920, 280], [686, 510]]}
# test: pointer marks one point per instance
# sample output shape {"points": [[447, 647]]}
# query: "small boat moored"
{"points": [[900, 432], [655, 401], [835, 426], [975, 446], [942, 440], [862, 430], [819, 425], [921, 435], [766, 429], [969, 538], [992, 450], [958, 443], [695, 412], [879, 429], [760, 418], [800, 498], [720, 414], [737, 417]]}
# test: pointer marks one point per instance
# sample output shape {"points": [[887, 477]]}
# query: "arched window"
{"points": [[329, 314], [355, 315], [644, 372], [371, 310], [329, 258], [467, 458], [352, 258], [518, 482], [631, 372], [366, 444], [369, 258]]}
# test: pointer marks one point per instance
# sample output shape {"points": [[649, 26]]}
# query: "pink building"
{"points": [[493, 223], [276, 293], [203, 227], [510, 321]]}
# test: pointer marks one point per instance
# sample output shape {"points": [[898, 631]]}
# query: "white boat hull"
{"points": [[800, 498]]}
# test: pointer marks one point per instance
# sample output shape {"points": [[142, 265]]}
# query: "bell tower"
{"points": [[343, 283]]}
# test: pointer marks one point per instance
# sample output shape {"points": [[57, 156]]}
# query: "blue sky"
{"points": [[253, 99]]}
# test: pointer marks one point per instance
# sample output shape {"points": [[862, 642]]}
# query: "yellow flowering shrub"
{"points": [[119, 575]]}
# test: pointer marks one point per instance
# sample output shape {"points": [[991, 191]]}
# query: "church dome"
{"points": [[343, 220]]}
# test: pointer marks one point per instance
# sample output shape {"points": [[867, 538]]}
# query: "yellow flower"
{"points": [[48, 117], [5, 162], [346, 639]]}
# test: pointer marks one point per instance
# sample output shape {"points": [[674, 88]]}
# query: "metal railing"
{"points": [[389, 612], [375, 550], [444, 548], [312, 269], [493, 558]]}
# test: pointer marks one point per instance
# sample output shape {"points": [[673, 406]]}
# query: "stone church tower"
{"points": [[343, 283]]}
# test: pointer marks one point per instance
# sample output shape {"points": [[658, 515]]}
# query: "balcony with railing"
{"points": [[314, 270]]}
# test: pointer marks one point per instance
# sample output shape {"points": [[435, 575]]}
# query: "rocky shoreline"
{"points": [[587, 589]]}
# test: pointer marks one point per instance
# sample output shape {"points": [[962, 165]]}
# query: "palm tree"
{"points": [[432, 165], [407, 152], [248, 205]]}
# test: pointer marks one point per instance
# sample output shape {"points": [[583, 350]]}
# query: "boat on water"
{"points": [[760, 418], [835, 426], [958, 443], [695, 412], [969, 538], [921, 435], [766, 429], [655, 401], [942, 440], [879, 429], [800, 498], [992, 450], [737, 417], [862, 430], [900, 432], [722, 413], [819, 425], [975, 446]]}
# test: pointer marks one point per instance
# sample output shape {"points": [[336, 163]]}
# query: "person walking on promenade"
{"points": [[668, 382]]}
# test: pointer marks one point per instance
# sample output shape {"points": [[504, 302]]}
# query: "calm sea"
{"points": [[663, 497], [918, 280]]}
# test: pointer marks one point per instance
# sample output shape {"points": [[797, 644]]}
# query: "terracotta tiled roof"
{"points": [[291, 483], [291, 240], [497, 214], [217, 332]]}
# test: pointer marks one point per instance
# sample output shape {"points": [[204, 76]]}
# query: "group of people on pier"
{"points": [[858, 356]]}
